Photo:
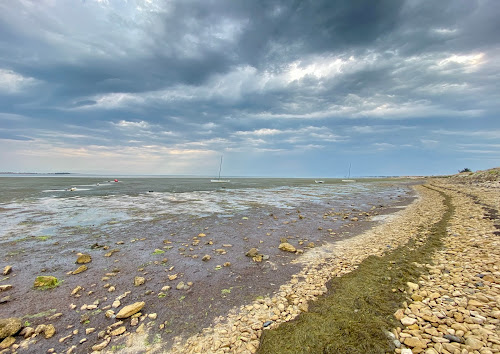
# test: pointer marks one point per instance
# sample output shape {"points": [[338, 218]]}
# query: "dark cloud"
{"points": [[186, 75]]}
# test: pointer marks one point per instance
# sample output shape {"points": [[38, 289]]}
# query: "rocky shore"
{"points": [[453, 307]]}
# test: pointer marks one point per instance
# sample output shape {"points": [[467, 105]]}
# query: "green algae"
{"points": [[358, 308]]}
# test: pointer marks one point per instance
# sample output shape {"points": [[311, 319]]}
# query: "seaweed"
{"points": [[355, 313]]}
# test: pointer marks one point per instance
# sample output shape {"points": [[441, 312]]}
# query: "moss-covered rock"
{"points": [[46, 281]]}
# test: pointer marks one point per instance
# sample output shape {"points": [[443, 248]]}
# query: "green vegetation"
{"points": [[226, 291], [45, 282], [158, 251], [359, 306], [41, 314], [465, 170]]}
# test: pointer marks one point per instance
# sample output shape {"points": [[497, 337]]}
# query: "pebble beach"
{"points": [[452, 307]]}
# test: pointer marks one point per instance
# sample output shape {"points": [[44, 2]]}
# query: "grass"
{"points": [[352, 317]]}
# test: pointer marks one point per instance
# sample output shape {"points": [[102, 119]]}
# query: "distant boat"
{"points": [[218, 180], [72, 189], [319, 181], [348, 176]]}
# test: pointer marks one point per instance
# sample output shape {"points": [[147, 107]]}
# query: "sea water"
{"points": [[45, 205]]}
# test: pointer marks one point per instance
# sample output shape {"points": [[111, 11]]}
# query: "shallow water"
{"points": [[38, 206]]}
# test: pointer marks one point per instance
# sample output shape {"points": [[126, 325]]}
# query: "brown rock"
{"points": [[414, 342], [139, 281], [206, 258], [5, 287], [7, 342], [49, 331], [101, 346], [129, 310], [7, 270], [84, 258], [252, 252], [80, 269], [285, 246], [118, 331], [9, 326]]}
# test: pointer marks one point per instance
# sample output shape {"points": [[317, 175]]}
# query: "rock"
{"points": [[84, 258], [408, 321], [180, 286], [101, 346], [399, 314], [206, 258], [49, 331], [76, 290], [9, 326], [116, 304], [474, 343], [118, 331], [252, 252], [139, 281], [80, 269], [129, 310], [453, 338], [285, 246], [45, 281], [152, 316], [414, 342], [7, 342], [406, 351], [5, 299], [412, 286], [5, 287], [7, 270]]}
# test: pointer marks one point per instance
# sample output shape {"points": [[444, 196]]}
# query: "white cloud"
{"points": [[12, 82]]}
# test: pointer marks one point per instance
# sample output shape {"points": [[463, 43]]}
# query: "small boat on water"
{"points": [[218, 180], [72, 189], [315, 181]]}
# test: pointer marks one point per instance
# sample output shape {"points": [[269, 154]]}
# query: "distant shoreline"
{"points": [[35, 173]]}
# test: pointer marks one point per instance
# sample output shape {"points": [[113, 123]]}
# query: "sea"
{"points": [[44, 205]]}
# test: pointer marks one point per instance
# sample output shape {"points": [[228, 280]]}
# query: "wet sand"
{"points": [[159, 251]]}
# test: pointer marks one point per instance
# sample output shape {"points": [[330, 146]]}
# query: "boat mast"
{"points": [[220, 166]]}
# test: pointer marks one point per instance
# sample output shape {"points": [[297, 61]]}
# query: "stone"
{"points": [[5, 287], [101, 346], [118, 331], [206, 258], [80, 269], [9, 326], [285, 246], [27, 332], [139, 281], [252, 252], [7, 342], [129, 310], [49, 331], [412, 286], [7, 270], [83, 259], [45, 281], [399, 314], [414, 342], [474, 343], [408, 321], [453, 338]]}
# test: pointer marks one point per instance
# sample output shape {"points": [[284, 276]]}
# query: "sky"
{"points": [[279, 88]]}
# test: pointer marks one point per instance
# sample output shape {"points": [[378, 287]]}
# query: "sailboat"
{"points": [[218, 180], [348, 176]]}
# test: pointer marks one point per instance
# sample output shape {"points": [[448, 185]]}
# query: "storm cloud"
{"points": [[280, 88]]}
